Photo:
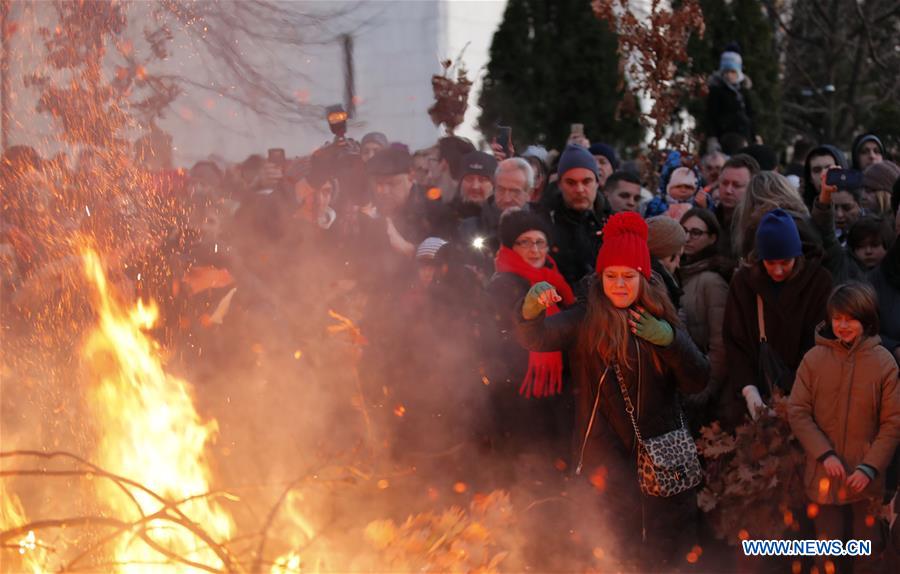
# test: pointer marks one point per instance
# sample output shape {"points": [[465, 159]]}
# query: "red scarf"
{"points": [[544, 376]]}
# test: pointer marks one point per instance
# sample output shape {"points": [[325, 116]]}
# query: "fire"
{"points": [[30, 551], [153, 435]]}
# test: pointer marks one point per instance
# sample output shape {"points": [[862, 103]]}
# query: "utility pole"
{"points": [[4, 74]]}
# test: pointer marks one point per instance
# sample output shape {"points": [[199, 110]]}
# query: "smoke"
{"points": [[339, 402]]}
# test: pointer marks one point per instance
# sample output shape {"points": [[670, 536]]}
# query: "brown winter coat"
{"points": [[848, 401]]}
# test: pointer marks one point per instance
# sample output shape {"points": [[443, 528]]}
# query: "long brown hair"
{"points": [[606, 332]]}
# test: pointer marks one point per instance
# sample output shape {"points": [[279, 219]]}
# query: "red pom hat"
{"points": [[625, 243]]}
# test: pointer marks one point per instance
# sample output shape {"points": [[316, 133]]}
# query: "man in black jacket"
{"points": [[576, 214]]}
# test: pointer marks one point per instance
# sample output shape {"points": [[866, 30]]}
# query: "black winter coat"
{"points": [[653, 392], [886, 280], [514, 419], [575, 237], [728, 109]]}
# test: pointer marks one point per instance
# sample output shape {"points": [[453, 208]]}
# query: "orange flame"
{"points": [[152, 434], [30, 553]]}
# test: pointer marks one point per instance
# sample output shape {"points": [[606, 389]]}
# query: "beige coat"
{"points": [[703, 313], [848, 401]]}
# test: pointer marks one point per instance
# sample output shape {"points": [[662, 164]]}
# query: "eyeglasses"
{"points": [[528, 244], [695, 233]]}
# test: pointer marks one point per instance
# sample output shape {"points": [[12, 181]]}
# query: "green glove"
{"points": [[539, 297], [651, 329]]}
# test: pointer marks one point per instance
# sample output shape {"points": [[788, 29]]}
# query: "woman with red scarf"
{"points": [[530, 404]]}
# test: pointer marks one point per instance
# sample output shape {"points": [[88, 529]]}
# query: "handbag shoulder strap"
{"points": [[760, 319], [629, 406]]}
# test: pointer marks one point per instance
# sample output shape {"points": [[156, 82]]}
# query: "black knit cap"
{"points": [[514, 223], [392, 160]]}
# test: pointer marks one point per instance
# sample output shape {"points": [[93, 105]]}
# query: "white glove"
{"points": [[754, 401]]}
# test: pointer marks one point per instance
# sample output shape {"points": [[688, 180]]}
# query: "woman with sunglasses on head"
{"points": [[630, 358], [704, 275], [515, 375]]}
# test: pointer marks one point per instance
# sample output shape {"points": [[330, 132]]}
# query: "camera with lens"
{"points": [[339, 160]]}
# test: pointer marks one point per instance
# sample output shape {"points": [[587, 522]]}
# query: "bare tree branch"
{"points": [[868, 36]]}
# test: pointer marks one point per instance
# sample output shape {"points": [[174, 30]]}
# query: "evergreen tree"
{"points": [[554, 64], [744, 22]]}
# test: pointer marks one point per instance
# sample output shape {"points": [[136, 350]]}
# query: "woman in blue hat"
{"points": [[774, 305]]}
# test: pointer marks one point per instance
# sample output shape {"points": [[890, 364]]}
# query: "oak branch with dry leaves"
{"points": [[451, 97], [653, 50]]}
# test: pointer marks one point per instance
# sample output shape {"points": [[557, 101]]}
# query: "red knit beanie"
{"points": [[625, 243]]}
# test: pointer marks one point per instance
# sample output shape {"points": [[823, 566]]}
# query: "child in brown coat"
{"points": [[845, 411]]}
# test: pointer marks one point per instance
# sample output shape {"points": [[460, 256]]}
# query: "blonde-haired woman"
{"points": [[767, 191]]}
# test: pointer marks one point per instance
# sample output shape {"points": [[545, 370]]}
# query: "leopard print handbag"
{"points": [[667, 464]]}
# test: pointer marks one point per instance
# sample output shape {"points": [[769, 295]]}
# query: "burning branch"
{"points": [[138, 526]]}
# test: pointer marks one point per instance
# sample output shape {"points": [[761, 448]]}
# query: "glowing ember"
{"points": [[30, 551], [152, 435], [287, 564]]}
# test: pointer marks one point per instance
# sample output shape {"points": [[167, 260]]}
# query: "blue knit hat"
{"points": [[777, 237], [606, 151], [577, 156], [731, 61]]}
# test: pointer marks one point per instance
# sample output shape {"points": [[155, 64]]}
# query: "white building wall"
{"points": [[398, 45], [473, 23]]}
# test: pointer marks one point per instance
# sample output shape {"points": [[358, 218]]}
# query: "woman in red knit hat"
{"points": [[630, 357]]}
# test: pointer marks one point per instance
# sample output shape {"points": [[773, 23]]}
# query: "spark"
{"points": [[28, 543], [478, 243]]}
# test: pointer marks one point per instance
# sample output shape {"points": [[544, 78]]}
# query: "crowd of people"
{"points": [[543, 301]]}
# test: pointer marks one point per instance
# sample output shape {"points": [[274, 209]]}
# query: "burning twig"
{"points": [[61, 454], [273, 512], [179, 518]]}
